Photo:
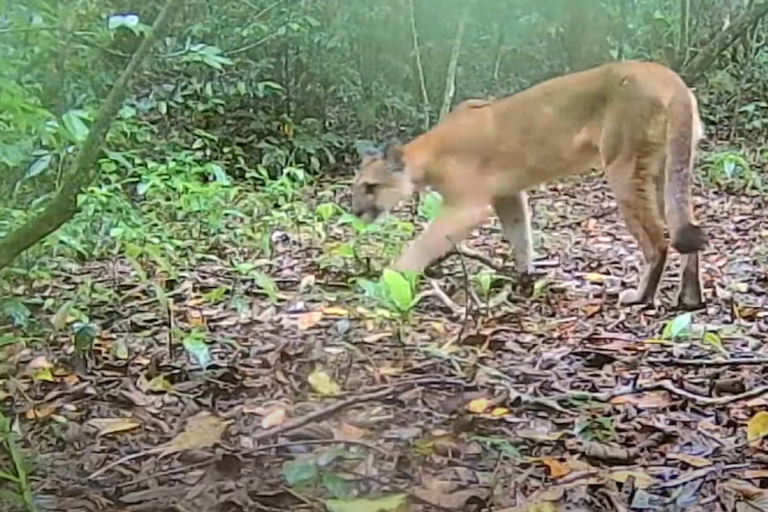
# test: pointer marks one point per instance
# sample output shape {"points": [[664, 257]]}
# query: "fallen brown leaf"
{"points": [[108, 426], [202, 431], [556, 468]]}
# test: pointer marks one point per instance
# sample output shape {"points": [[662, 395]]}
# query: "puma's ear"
{"points": [[394, 155], [367, 149]]}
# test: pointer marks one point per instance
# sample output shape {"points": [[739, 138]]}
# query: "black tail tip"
{"points": [[689, 238]]}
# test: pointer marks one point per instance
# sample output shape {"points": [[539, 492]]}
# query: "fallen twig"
{"points": [[665, 385], [469, 297], [440, 294], [301, 421], [314, 416], [697, 474], [707, 362], [478, 256], [305, 442]]}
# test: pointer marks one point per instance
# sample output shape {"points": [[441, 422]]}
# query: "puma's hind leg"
{"points": [[689, 296], [633, 182]]}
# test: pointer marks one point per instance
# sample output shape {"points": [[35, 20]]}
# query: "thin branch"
{"points": [[472, 254], [453, 64], [665, 385], [419, 67], [396, 388], [738, 361]]}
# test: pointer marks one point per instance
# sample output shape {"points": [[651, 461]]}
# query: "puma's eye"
{"points": [[369, 189]]}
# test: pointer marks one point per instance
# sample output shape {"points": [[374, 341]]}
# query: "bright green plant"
{"points": [[730, 170], [395, 291], [682, 329]]}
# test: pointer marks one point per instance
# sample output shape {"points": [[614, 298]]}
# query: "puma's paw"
{"points": [[689, 297], [689, 303], [526, 282]]}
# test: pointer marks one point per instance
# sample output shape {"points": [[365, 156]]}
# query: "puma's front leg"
{"points": [[515, 216], [449, 228]]}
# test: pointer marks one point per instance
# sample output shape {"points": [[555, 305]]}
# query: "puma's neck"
{"points": [[417, 156]]}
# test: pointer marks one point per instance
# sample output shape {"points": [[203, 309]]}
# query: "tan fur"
{"points": [[635, 120]]}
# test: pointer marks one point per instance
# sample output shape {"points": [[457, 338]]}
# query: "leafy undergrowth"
{"points": [[233, 350]]}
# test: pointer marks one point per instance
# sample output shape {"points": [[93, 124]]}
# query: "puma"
{"points": [[637, 121]]}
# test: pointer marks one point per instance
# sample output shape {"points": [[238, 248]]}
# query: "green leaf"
{"points": [[398, 288], [336, 485], [300, 471], [713, 339], [120, 350], [7, 339], [85, 334], [679, 327], [385, 504], [430, 206], [17, 312], [485, 279], [326, 210], [198, 349], [268, 285], [39, 166], [76, 128]]}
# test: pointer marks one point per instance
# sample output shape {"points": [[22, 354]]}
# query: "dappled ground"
{"points": [[562, 400]]}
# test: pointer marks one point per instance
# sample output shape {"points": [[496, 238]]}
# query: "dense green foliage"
{"points": [[250, 91]]}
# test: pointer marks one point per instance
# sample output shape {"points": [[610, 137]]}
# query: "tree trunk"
{"points": [[64, 204]]}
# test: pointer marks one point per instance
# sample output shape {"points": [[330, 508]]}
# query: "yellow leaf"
{"points": [[274, 418], [158, 384], [642, 480], [202, 431], [335, 311], [655, 341], [112, 425], [322, 383], [757, 428], [595, 278], [556, 468], [691, 460], [43, 374], [195, 318], [498, 412], [309, 320], [478, 405]]}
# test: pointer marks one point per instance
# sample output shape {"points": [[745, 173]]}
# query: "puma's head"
{"points": [[381, 182]]}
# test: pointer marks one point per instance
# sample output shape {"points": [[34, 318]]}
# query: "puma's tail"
{"points": [[682, 138]]}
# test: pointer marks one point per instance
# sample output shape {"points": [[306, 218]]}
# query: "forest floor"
{"points": [[560, 401]]}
